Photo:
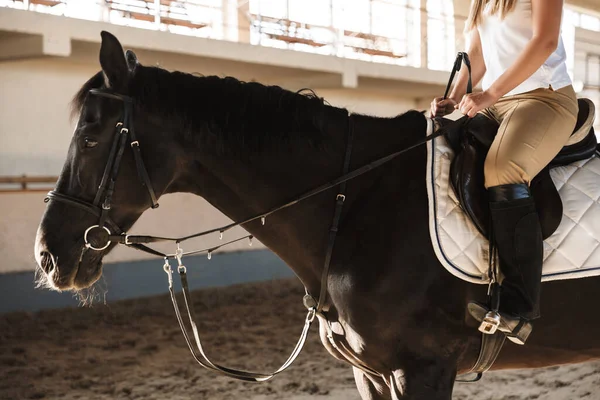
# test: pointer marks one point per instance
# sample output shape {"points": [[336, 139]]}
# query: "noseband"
{"points": [[124, 133]]}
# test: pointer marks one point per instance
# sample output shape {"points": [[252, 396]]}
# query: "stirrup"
{"points": [[516, 329], [490, 323]]}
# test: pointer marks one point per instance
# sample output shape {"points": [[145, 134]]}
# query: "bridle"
{"points": [[124, 133], [108, 231]]}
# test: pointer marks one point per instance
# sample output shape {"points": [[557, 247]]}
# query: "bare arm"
{"points": [[441, 107], [546, 15], [478, 68]]}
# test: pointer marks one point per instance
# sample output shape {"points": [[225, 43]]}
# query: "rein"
{"points": [[109, 232]]}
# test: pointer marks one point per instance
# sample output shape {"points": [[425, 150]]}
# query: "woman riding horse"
{"points": [[516, 48]]}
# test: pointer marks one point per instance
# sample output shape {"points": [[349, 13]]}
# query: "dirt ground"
{"points": [[134, 350]]}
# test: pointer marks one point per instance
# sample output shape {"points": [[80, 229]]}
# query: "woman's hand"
{"points": [[441, 107], [472, 103]]}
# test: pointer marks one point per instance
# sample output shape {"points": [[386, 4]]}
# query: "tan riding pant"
{"points": [[534, 126]]}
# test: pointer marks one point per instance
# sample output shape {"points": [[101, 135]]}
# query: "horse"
{"points": [[246, 148]]}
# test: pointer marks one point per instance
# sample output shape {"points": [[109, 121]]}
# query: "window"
{"points": [[590, 22], [371, 30], [571, 20], [592, 71], [441, 48]]}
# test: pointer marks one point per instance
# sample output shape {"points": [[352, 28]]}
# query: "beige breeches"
{"points": [[534, 126]]}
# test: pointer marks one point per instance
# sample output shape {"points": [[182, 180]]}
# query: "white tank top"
{"points": [[502, 41]]}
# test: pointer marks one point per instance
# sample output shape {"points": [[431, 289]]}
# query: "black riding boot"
{"points": [[518, 237]]}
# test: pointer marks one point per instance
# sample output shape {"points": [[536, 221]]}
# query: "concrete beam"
{"points": [[17, 47], [56, 44], [349, 79], [26, 46], [351, 71], [589, 5]]}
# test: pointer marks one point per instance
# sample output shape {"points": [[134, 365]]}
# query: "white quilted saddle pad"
{"points": [[573, 251]]}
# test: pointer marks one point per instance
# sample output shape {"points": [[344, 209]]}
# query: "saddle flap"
{"points": [[548, 203], [468, 181]]}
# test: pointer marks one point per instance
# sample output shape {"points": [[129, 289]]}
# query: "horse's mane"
{"points": [[246, 114]]}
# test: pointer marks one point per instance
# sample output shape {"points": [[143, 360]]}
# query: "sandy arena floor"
{"points": [[134, 350]]}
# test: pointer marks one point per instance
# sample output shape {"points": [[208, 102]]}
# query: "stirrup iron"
{"points": [[490, 323]]}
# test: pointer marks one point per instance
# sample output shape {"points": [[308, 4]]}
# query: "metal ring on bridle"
{"points": [[88, 244]]}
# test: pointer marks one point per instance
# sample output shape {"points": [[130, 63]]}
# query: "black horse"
{"points": [[246, 148]]}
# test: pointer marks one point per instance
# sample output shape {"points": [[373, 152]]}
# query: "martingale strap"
{"points": [[339, 205], [199, 354], [314, 307]]}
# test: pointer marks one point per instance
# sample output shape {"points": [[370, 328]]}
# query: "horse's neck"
{"points": [[298, 235]]}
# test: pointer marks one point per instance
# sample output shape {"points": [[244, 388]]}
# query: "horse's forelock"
{"points": [[94, 82]]}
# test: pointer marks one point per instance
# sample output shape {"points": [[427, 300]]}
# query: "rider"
{"points": [[515, 46]]}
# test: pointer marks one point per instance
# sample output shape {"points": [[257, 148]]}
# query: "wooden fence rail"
{"points": [[22, 183]]}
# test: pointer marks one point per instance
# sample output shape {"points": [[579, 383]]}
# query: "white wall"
{"points": [[35, 129]]}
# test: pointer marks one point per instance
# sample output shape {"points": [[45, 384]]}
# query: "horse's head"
{"points": [[102, 150]]}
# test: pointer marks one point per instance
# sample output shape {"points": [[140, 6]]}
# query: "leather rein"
{"points": [[107, 231]]}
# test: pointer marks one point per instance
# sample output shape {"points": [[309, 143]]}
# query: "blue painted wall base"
{"points": [[147, 278]]}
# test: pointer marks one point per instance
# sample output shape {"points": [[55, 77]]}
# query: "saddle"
{"points": [[471, 140]]}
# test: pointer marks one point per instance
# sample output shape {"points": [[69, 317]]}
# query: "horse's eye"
{"points": [[89, 143]]}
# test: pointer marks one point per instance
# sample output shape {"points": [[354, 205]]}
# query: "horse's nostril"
{"points": [[46, 262]]}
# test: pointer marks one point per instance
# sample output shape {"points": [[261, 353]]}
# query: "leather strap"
{"points": [[488, 353], [460, 58], [112, 166], [339, 205], [198, 352], [108, 167], [344, 351], [83, 205], [141, 168]]}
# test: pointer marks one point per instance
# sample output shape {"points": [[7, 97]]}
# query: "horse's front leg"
{"points": [[423, 379], [371, 388], [404, 385]]}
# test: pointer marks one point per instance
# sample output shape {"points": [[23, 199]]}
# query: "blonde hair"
{"points": [[501, 7]]}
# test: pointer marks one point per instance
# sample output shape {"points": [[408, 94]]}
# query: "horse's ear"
{"points": [[132, 61], [113, 62]]}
